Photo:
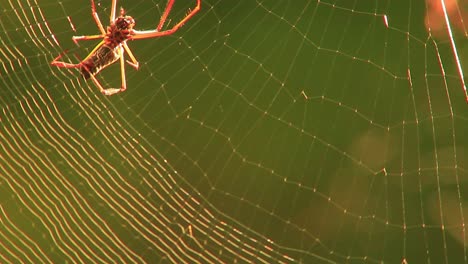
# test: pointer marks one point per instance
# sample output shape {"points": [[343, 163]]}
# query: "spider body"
{"points": [[107, 53], [98, 60], [120, 30], [114, 43]]}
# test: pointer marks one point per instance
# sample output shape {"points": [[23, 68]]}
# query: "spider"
{"points": [[114, 43]]}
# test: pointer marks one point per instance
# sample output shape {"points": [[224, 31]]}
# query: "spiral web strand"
{"points": [[261, 132]]}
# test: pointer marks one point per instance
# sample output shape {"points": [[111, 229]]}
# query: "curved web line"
{"points": [[261, 132]]}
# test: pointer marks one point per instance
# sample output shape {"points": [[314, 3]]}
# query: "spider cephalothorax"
{"points": [[114, 43], [119, 31], [124, 23]]}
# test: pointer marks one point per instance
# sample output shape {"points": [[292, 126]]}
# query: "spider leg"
{"points": [[96, 18], [165, 14], [62, 64], [97, 83], [113, 8], [155, 33], [134, 63], [111, 91], [77, 38], [123, 87], [98, 23]]}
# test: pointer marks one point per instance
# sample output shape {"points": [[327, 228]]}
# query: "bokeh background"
{"points": [[261, 131]]}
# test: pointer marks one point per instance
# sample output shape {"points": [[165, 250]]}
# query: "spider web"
{"points": [[262, 131]]}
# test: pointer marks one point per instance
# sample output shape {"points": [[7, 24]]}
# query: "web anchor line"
{"points": [[454, 49]]}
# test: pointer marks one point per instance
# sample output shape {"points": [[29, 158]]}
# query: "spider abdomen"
{"points": [[101, 58]]}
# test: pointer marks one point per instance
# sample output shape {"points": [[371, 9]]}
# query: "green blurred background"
{"points": [[310, 124]]}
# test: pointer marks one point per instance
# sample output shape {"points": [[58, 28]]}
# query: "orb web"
{"points": [[262, 131]]}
